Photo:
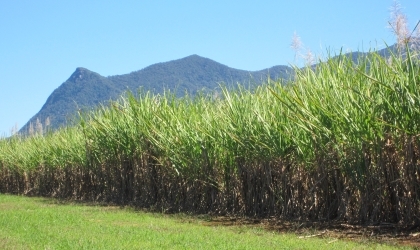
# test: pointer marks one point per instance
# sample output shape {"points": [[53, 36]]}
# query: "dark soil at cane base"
{"points": [[386, 233]]}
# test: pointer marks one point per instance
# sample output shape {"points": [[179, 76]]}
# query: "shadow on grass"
{"points": [[387, 233]]}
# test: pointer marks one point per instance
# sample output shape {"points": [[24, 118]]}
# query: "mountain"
{"points": [[85, 89]]}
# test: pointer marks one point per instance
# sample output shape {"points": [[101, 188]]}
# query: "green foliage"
{"points": [[323, 146], [86, 89]]}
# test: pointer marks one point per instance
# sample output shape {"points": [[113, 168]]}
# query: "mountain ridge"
{"points": [[85, 89]]}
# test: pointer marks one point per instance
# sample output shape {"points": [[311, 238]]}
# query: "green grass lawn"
{"points": [[39, 223]]}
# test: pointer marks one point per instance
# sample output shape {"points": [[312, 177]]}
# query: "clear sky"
{"points": [[43, 42]]}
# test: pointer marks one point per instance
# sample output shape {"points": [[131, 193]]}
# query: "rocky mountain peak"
{"points": [[79, 74]]}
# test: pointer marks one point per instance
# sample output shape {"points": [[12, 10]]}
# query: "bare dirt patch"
{"points": [[6, 243]]}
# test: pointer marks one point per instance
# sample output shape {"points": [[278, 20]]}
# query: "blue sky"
{"points": [[43, 42]]}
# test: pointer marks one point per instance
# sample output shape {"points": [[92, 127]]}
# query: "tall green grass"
{"points": [[340, 141]]}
